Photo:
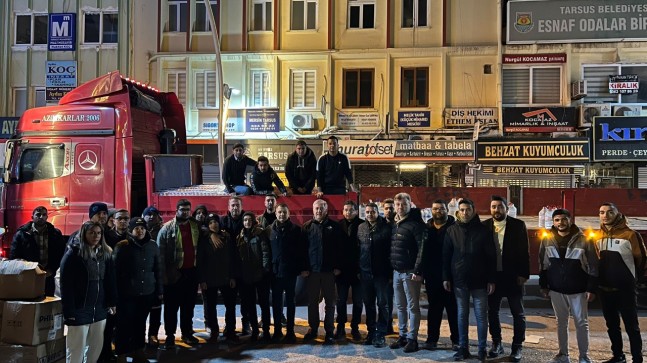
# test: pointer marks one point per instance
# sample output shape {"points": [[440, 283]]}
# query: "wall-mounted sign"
{"points": [[9, 125], [522, 169], [535, 150], [532, 119], [468, 116], [562, 21], [62, 32], [624, 84], [619, 138], [60, 78], [418, 150], [414, 118], [262, 120], [235, 122], [358, 119], [534, 58]]}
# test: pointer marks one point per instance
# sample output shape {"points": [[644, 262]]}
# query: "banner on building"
{"points": [[568, 21], [469, 116], [532, 150], [624, 84], [358, 119], [534, 170], [414, 118], [412, 150], [262, 120], [62, 32], [9, 125], [533, 119], [619, 138], [60, 78], [549, 58]]}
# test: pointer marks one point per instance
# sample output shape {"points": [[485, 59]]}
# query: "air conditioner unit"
{"points": [[444, 137], [622, 110], [419, 137], [578, 90], [299, 121], [590, 110]]}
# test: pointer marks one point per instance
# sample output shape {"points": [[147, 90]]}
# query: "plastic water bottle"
{"points": [[452, 207], [542, 217], [512, 210], [548, 218]]}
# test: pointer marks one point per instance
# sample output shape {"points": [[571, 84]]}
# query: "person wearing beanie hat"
{"points": [[234, 169], [139, 288], [568, 274], [98, 212]]}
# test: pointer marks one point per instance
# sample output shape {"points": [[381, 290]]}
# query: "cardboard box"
{"points": [[49, 352], [21, 280], [32, 323]]}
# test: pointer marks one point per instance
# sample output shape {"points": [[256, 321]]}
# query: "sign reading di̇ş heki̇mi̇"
{"points": [[262, 120], [619, 138], [60, 78], [561, 21], [414, 118], [469, 116], [532, 119], [533, 150]]}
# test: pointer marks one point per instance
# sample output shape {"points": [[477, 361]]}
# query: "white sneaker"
{"points": [[560, 358]]}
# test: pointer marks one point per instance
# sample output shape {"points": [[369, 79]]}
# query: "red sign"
{"points": [[534, 58]]}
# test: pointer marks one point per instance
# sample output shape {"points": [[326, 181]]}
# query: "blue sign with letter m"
{"points": [[62, 32]]}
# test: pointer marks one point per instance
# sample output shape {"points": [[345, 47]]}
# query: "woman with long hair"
{"points": [[88, 293]]}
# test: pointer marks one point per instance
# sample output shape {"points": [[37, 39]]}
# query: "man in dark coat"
{"points": [[39, 241], [301, 169], [333, 169], [269, 215], [513, 270], [233, 171], [264, 176]]}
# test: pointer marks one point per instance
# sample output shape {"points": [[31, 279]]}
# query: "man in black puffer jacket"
{"points": [[374, 237], [407, 244], [469, 268], [301, 169]]}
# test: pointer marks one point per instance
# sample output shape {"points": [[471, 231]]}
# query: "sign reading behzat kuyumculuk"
{"points": [[546, 151], [568, 21], [533, 119], [619, 138]]}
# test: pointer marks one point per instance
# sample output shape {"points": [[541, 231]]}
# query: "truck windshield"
{"points": [[38, 163]]}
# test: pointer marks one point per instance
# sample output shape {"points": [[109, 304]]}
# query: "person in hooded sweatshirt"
{"points": [[254, 273], [469, 270], [139, 288], [200, 214], [264, 176], [622, 262], [88, 293], [301, 169]]}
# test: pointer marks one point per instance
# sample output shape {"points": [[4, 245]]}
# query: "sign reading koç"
{"points": [[418, 150], [619, 138], [358, 119], [60, 78], [62, 32], [623, 84], [535, 150], [570, 21], [532, 119], [469, 116], [262, 120], [414, 118]]}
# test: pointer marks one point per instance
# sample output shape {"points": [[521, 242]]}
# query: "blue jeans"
{"points": [[376, 289], [407, 302], [479, 296], [342, 309], [243, 190]]}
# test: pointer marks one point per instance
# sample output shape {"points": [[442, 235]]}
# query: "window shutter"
{"points": [[516, 83], [546, 85], [598, 83], [298, 89], [199, 90]]}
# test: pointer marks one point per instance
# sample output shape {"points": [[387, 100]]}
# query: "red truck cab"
{"points": [[88, 148]]}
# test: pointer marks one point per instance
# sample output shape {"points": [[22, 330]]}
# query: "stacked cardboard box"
{"points": [[31, 327]]}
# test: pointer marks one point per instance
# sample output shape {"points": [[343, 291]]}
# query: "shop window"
{"points": [[176, 82], [302, 89], [361, 14], [262, 15], [202, 23], [415, 13], [100, 28], [358, 88], [177, 13], [206, 86], [31, 29], [304, 15], [20, 102], [260, 95], [414, 87], [597, 77], [533, 86]]}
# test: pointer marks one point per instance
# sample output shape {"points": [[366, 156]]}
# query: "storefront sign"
{"points": [[235, 122], [60, 78], [549, 119], [9, 125], [619, 138], [419, 150], [469, 116], [623, 84], [570, 21], [359, 119], [544, 150], [535, 170], [62, 32], [262, 120], [534, 58], [414, 119]]}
